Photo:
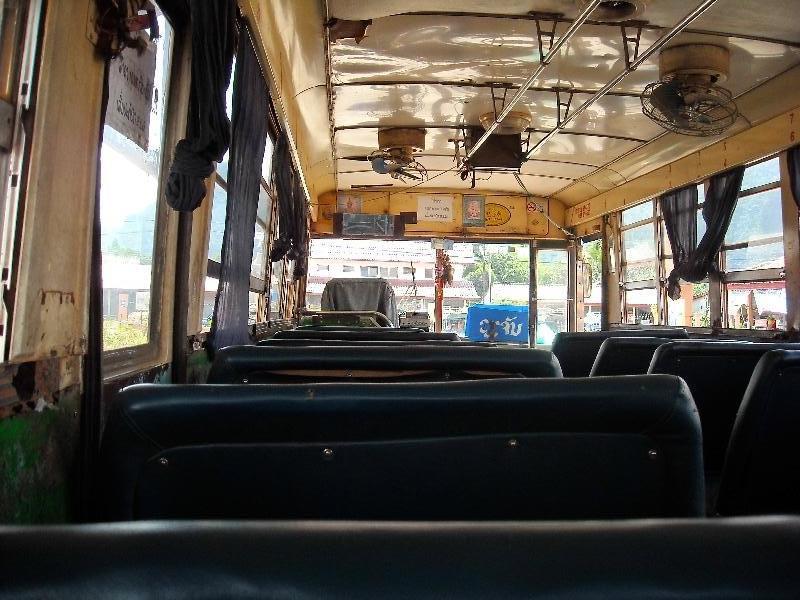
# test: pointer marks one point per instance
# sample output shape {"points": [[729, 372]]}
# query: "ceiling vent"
{"points": [[688, 99], [615, 11]]}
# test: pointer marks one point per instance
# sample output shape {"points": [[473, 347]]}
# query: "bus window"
{"points": [[753, 253], [639, 265], [129, 195], [592, 253], [552, 277]]}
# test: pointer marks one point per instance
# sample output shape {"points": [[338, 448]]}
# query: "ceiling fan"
{"points": [[688, 99], [395, 154]]}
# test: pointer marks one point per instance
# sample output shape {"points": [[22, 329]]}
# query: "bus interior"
{"points": [[326, 298]]}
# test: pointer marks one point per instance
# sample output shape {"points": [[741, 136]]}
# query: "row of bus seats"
{"points": [[443, 449], [732, 383], [576, 351], [721, 558]]}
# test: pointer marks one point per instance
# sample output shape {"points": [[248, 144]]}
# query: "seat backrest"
{"points": [[762, 467], [577, 350], [717, 374], [309, 364], [631, 355], [683, 559], [367, 343], [625, 355], [363, 333], [468, 450]]}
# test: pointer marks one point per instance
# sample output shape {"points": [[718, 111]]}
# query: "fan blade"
{"points": [[362, 158], [405, 173], [379, 165], [666, 98]]}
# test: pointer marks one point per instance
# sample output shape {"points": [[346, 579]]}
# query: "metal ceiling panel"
{"points": [[775, 19], [419, 105], [565, 170], [350, 142], [481, 50], [496, 182], [432, 67], [583, 149]]}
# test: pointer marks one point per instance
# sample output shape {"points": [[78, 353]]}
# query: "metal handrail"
{"points": [[543, 62], [657, 45]]}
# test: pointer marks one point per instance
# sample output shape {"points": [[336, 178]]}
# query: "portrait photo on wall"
{"points": [[474, 213]]}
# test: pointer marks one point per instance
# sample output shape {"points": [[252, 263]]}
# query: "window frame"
{"points": [[753, 275], [718, 296], [119, 361], [655, 282], [20, 68]]}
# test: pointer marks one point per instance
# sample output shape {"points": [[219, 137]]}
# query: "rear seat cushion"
{"points": [[364, 333], [306, 364]]}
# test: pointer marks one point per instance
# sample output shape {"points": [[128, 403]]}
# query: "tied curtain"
{"points": [[250, 118], [693, 260], [679, 208], [208, 131], [793, 157], [292, 238]]}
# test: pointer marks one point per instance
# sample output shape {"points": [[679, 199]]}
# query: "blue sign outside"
{"points": [[497, 322]]}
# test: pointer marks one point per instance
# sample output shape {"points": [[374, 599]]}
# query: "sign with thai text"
{"points": [[435, 208], [497, 214], [131, 93]]}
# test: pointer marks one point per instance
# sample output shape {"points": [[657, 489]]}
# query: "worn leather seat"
{"points": [[652, 559], [317, 342], [631, 355], [308, 364], [762, 468], [577, 350], [473, 450], [717, 374], [363, 333], [700, 558], [625, 355]]}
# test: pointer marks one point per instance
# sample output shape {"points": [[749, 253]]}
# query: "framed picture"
{"points": [[474, 213]]}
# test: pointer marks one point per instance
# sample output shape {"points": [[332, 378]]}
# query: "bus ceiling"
{"points": [[568, 76]]}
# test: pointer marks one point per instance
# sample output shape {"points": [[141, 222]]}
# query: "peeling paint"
{"points": [[38, 462]]}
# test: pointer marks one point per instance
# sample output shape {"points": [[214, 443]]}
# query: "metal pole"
{"points": [[657, 45], [544, 61]]}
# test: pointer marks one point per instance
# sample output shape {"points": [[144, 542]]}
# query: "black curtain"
{"points": [[679, 208], [292, 238], [793, 157], [208, 131], [300, 241], [286, 190], [250, 114], [717, 212]]}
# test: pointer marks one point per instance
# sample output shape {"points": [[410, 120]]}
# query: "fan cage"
{"points": [[716, 106]]}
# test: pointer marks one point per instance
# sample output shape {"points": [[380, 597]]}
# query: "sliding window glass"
{"points": [[640, 293], [130, 188], [753, 253]]}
